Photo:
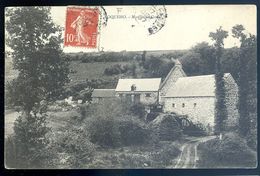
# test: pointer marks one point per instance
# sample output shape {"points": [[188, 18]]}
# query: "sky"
{"points": [[184, 27]]}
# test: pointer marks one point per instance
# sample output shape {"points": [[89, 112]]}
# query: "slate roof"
{"points": [[148, 84], [103, 93], [194, 86]]}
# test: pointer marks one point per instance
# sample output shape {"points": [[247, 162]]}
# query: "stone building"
{"points": [[195, 96], [175, 73], [99, 95], [145, 91]]}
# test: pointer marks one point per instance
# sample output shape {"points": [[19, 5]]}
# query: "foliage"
{"points": [[38, 58], [104, 132], [165, 155], [165, 128], [75, 143], [112, 125], [199, 60], [35, 41], [106, 57], [138, 110], [194, 130], [157, 67], [220, 107], [116, 69], [133, 132], [246, 76], [27, 148], [231, 151]]}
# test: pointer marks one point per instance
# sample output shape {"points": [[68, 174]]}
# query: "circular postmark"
{"points": [[152, 17], [103, 16]]}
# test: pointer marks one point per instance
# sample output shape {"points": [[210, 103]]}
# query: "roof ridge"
{"points": [[201, 75], [138, 78]]}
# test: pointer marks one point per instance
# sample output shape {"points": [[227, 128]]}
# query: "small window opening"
{"points": [[147, 95], [173, 105], [183, 105]]}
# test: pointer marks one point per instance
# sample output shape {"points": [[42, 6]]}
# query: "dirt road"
{"points": [[188, 156]]}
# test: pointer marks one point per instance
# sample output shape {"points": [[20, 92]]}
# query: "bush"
{"points": [[231, 151], [112, 124], [133, 133], [164, 156], [104, 132], [74, 143], [133, 161], [166, 128], [138, 110], [116, 69]]}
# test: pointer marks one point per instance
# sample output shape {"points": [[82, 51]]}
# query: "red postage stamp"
{"points": [[81, 27]]}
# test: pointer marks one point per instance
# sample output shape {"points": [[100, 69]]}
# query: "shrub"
{"points": [[138, 110], [28, 145], [133, 161], [231, 151], [104, 132], [133, 133], [164, 156], [194, 130], [111, 124], [116, 69], [75, 143], [166, 128]]}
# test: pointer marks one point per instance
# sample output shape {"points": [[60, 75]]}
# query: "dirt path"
{"points": [[188, 156]]}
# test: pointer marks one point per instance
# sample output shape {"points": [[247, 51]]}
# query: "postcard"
{"points": [[127, 87]]}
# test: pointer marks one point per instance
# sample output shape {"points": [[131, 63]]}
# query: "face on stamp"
{"points": [[81, 27]]}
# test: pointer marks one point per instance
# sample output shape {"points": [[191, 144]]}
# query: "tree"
{"points": [[199, 60], [35, 41], [246, 78], [143, 57], [220, 108]]}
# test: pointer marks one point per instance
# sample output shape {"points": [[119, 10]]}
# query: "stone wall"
{"points": [[144, 98], [198, 109], [171, 79]]}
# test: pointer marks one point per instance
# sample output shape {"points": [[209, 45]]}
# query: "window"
{"points": [[173, 105], [133, 87], [183, 105], [195, 104], [147, 95]]}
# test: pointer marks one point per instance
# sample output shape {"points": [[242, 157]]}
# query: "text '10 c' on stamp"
{"points": [[81, 28]]}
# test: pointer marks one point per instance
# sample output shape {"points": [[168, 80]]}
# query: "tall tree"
{"points": [[220, 108], [35, 41], [246, 77]]}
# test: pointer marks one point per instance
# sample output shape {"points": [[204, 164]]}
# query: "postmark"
{"points": [[81, 28], [152, 17]]}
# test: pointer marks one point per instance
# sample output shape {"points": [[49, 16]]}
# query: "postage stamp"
{"points": [[81, 28]]}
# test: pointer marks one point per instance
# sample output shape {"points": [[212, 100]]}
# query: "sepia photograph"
{"points": [[130, 87]]}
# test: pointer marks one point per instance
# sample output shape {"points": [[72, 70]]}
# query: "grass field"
{"points": [[90, 70]]}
